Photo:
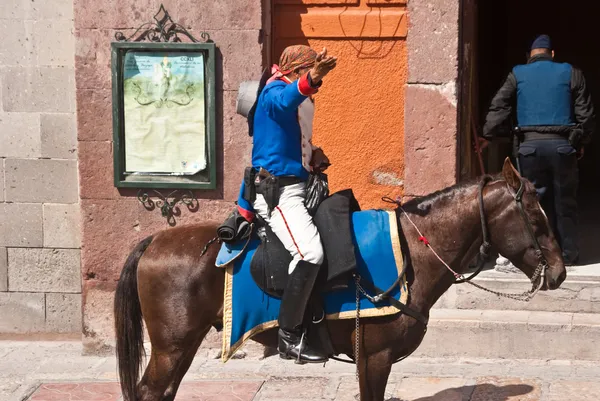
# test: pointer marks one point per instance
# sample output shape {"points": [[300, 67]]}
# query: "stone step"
{"points": [[580, 293], [512, 334]]}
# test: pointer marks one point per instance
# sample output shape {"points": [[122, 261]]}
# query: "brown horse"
{"points": [[179, 293]]}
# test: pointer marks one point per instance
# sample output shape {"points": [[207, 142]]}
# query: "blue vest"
{"points": [[544, 94]]}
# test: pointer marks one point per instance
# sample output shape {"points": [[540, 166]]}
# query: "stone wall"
{"points": [[430, 141], [40, 286], [114, 221]]}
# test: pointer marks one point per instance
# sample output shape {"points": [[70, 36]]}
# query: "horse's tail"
{"points": [[128, 324]]}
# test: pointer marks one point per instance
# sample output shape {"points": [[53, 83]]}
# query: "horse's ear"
{"points": [[511, 175]]}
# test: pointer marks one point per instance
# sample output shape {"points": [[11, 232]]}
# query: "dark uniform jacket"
{"points": [[548, 97]]}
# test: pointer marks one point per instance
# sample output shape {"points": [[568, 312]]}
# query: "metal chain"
{"points": [[527, 295], [357, 327]]}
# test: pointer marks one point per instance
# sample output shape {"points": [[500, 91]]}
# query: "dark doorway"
{"points": [[496, 36]]}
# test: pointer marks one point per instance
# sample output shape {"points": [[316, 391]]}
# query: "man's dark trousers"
{"points": [[551, 165]]}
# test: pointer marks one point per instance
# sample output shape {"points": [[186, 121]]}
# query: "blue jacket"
{"points": [[277, 139]]}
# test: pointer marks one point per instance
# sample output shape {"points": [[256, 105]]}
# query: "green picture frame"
{"points": [[206, 178]]}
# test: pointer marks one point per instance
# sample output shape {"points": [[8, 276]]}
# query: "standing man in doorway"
{"points": [[555, 120]]}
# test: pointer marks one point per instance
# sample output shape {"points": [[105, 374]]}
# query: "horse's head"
{"points": [[513, 238]]}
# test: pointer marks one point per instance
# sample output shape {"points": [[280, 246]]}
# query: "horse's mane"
{"points": [[421, 205]]}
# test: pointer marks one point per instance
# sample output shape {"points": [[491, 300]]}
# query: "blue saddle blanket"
{"points": [[248, 310]]}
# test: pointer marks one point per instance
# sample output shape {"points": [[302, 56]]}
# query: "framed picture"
{"points": [[164, 115]]}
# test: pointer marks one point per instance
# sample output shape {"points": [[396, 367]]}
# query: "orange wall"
{"points": [[359, 119]]}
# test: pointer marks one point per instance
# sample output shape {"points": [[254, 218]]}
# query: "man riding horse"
{"points": [[283, 156]]}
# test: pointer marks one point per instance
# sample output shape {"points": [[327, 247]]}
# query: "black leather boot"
{"points": [[293, 343]]}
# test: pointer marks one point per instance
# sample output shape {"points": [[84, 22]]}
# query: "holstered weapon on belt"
{"points": [[268, 186], [249, 186], [517, 139], [576, 137]]}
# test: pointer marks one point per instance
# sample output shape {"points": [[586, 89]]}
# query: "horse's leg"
{"points": [[180, 300], [183, 367], [158, 375], [374, 371], [172, 354]]}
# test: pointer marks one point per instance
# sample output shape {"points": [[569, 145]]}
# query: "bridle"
{"points": [[542, 266], [537, 279]]}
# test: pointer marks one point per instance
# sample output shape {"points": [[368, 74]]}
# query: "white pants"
{"points": [[293, 225]]}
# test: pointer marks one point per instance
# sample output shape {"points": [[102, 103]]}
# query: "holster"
{"points": [[576, 137], [517, 140], [249, 186], [268, 186]]}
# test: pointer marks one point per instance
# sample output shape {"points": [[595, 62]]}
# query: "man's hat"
{"points": [[542, 42]]}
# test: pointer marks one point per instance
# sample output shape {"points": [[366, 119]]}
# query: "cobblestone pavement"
{"points": [[56, 371]]}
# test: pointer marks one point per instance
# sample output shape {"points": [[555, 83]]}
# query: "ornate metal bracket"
{"points": [[162, 29], [169, 208]]}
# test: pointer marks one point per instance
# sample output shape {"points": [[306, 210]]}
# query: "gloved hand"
{"points": [[319, 161]]}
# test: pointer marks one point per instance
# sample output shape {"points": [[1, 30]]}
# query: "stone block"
{"points": [[237, 147], [98, 318], [213, 14], [116, 13], [44, 270], [429, 139], [572, 296], [52, 9], [1, 180], [63, 313], [16, 48], [93, 58], [54, 42], [502, 316], [586, 319], [59, 136], [239, 57], [20, 135], [94, 115], [91, 75], [21, 312], [13, 9], [62, 228], [573, 390], [504, 339], [550, 321], [43, 89], [41, 180], [96, 179], [21, 225], [220, 15], [3, 270], [455, 314], [94, 45], [111, 229], [209, 210], [298, 388], [433, 41]]}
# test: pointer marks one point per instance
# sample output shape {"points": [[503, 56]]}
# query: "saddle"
{"points": [[270, 262]]}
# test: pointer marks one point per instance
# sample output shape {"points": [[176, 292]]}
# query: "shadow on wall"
{"points": [[487, 391]]}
